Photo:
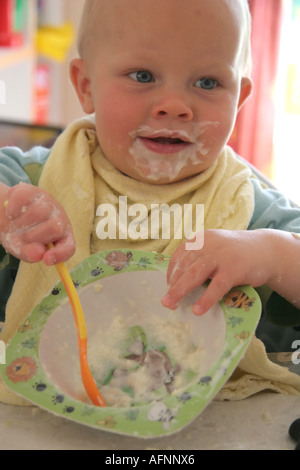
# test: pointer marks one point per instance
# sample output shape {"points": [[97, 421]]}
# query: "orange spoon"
{"points": [[87, 378]]}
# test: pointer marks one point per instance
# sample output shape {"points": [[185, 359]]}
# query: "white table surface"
{"points": [[259, 422]]}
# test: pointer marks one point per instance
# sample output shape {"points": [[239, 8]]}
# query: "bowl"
{"points": [[157, 369]]}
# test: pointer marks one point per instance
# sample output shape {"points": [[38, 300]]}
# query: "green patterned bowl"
{"points": [[157, 369]]}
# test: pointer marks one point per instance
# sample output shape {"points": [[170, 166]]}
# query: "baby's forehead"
{"points": [[98, 14], [103, 17]]}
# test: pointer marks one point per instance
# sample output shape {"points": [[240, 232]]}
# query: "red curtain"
{"points": [[253, 134]]}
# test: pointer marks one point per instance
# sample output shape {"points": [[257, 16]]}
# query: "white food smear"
{"points": [[131, 382], [156, 166]]}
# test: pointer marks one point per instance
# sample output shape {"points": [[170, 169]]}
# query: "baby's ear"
{"points": [[82, 84], [246, 90]]}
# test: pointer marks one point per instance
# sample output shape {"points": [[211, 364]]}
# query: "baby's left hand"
{"points": [[228, 258]]}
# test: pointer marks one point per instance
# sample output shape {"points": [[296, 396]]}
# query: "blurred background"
{"points": [[38, 39]]}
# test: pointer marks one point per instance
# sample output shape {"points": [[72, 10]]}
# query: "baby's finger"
{"points": [[18, 198], [30, 253], [33, 252], [48, 231], [180, 263], [189, 279], [34, 214], [61, 251], [174, 263], [217, 288]]}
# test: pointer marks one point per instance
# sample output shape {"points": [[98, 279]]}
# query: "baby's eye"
{"points": [[142, 76], [206, 83]]}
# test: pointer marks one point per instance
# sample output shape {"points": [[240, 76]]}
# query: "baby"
{"points": [[164, 80]]}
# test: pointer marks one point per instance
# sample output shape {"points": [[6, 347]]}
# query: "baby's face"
{"points": [[165, 85]]}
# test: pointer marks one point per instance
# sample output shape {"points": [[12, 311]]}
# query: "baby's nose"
{"points": [[173, 107]]}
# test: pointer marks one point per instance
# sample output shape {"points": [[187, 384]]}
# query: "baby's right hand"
{"points": [[31, 220]]}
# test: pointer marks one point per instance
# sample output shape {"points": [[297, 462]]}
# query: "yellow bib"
{"points": [[79, 176]]}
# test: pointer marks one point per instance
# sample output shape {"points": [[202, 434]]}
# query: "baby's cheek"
{"points": [[112, 128]]}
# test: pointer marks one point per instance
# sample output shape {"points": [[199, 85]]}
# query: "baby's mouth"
{"points": [[168, 140], [164, 145]]}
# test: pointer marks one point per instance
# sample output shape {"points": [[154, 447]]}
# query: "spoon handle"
{"points": [[87, 378]]}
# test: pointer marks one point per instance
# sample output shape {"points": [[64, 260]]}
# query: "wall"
{"points": [[18, 66], [71, 107]]}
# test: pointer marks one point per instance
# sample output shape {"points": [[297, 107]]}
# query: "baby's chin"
{"points": [[148, 178]]}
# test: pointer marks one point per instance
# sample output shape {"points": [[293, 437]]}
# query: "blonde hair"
{"points": [[89, 18], [246, 51], [86, 24]]}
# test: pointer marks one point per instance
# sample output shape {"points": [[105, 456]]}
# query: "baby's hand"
{"points": [[228, 258], [30, 220]]}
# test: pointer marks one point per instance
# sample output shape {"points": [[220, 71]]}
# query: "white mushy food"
{"points": [[136, 361]]}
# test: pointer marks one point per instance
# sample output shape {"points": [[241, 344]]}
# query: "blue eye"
{"points": [[142, 76], [206, 83]]}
